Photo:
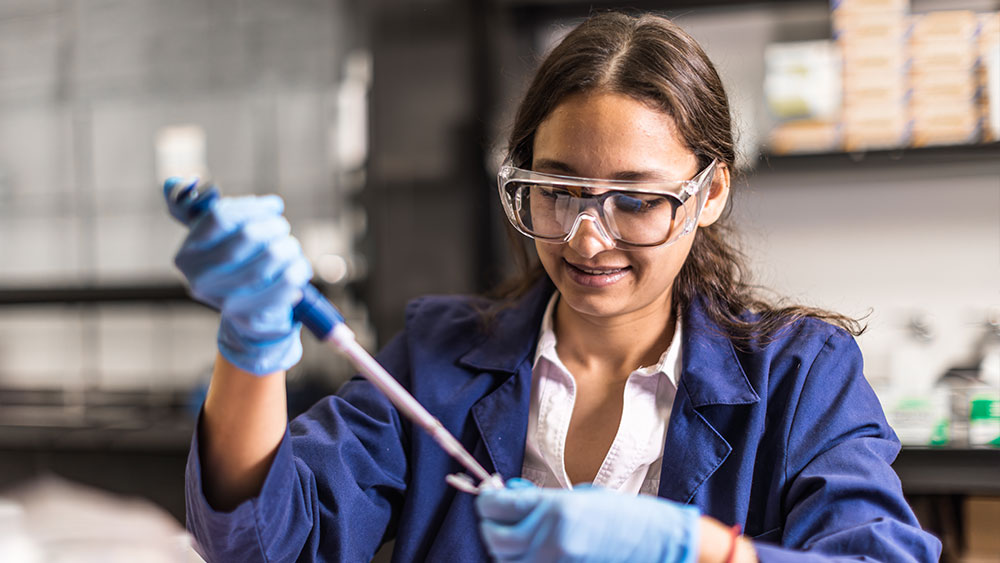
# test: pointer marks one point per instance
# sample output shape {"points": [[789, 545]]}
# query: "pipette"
{"points": [[188, 200]]}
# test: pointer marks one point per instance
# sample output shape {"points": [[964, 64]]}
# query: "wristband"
{"points": [[734, 534]]}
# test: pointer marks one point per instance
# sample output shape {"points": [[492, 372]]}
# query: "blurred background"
{"points": [[869, 183]]}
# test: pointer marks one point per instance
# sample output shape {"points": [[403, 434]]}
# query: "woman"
{"points": [[632, 357]]}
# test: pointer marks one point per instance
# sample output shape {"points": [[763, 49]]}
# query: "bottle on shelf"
{"points": [[984, 402]]}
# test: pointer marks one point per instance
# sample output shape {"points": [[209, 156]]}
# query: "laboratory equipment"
{"points": [[189, 200]]}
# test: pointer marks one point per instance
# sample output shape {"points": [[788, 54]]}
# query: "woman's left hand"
{"points": [[525, 523]]}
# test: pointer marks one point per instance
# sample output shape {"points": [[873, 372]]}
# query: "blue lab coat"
{"points": [[788, 441]]}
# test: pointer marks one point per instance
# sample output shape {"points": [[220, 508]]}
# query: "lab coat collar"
{"points": [[507, 344], [712, 373]]}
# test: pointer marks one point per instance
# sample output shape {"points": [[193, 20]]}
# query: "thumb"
{"points": [[519, 483], [507, 505]]}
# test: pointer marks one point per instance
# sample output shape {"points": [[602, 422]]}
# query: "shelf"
{"points": [[953, 154], [949, 471], [165, 292], [168, 292], [555, 9]]}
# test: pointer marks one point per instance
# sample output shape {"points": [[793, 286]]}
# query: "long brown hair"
{"points": [[651, 59]]}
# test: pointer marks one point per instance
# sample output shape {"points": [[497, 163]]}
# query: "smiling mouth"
{"points": [[595, 271]]}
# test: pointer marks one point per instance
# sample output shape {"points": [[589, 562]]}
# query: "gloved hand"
{"points": [[241, 259], [525, 523]]}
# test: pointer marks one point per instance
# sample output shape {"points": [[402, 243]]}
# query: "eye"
{"points": [[637, 203], [552, 192]]}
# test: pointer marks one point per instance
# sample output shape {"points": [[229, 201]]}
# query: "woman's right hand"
{"points": [[240, 258]]}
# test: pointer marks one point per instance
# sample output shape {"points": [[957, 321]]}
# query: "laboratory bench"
{"points": [[130, 460], [148, 461]]}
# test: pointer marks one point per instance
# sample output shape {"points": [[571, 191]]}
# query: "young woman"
{"points": [[651, 404]]}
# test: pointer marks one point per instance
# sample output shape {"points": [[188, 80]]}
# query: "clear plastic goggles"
{"points": [[552, 207]]}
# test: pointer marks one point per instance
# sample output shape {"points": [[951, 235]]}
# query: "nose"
{"points": [[589, 237]]}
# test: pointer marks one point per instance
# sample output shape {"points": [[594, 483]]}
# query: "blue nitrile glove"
{"points": [[525, 523], [241, 259]]}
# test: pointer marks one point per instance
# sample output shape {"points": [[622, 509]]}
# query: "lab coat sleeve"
{"points": [[843, 499], [332, 491]]}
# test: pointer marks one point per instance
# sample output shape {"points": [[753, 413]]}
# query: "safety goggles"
{"points": [[552, 207]]}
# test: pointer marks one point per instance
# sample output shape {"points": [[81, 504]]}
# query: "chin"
{"points": [[586, 303]]}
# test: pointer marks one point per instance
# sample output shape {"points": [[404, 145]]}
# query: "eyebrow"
{"points": [[559, 167]]}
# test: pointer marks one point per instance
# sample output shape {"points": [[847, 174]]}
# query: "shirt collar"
{"points": [[669, 363]]}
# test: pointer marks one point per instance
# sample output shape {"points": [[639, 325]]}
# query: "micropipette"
{"points": [[317, 314]]}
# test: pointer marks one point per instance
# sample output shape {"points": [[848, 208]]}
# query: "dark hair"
{"points": [[651, 59]]}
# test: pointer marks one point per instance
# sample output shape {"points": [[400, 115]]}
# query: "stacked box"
{"points": [[988, 74], [943, 102], [872, 39]]}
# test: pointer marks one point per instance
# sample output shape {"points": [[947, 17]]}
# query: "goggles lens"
{"points": [[547, 207]]}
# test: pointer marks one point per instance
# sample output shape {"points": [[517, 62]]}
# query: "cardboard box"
{"points": [[867, 88], [874, 126], [980, 521], [952, 134], [948, 111], [956, 84], [945, 25], [943, 54], [875, 26], [873, 138], [973, 558], [806, 136], [874, 56]]}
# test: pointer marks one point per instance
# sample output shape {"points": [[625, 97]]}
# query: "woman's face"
{"points": [[613, 136]]}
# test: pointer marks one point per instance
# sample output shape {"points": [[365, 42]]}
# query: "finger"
{"points": [[525, 539], [507, 505], [227, 214], [202, 264], [267, 312], [501, 545], [519, 483]]}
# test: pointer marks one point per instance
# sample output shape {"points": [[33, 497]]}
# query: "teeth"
{"points": [[598, 272]]}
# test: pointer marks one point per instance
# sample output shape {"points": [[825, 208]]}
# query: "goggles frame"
{"points": [[679, 190]]}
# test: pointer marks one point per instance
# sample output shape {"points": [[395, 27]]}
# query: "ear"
{"points": [[718, 195]]}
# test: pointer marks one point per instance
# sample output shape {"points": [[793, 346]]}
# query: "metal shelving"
{"points": [[903, 156]]}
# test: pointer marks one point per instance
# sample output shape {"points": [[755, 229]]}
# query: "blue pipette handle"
{"points": [[187, 202]]}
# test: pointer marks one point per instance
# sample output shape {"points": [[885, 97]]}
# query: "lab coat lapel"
{"points": [[501, 416], [502, 420], [711, 377]]}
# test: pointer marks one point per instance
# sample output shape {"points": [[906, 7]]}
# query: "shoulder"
{"points": [[806, 338], [783, 356], [808, 351]]}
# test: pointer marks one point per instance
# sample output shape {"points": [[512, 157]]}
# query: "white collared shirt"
{"points": [[632, 464]]}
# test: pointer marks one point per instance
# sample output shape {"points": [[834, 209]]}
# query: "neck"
{"points": [[617, 345]]}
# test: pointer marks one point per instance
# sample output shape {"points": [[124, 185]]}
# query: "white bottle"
{"points": [[984, 403], [913, 412]]}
